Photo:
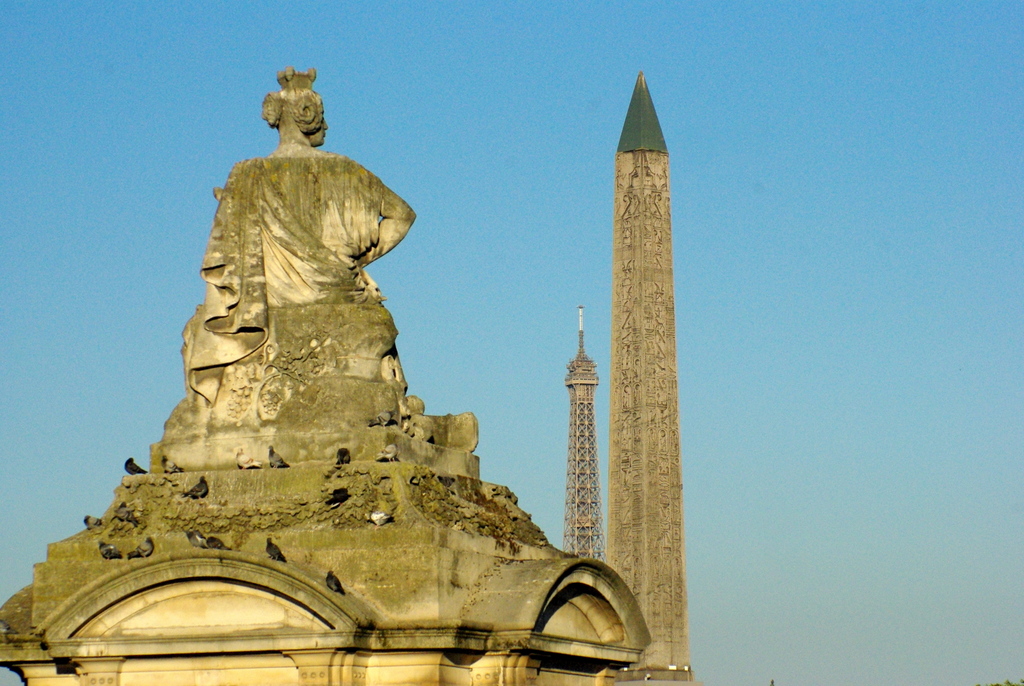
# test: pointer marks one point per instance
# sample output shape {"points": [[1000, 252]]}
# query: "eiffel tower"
{"points": [[583, 533]]}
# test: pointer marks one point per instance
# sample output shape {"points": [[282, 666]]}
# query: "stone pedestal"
{"points": [[460, 587], [323, 376]]}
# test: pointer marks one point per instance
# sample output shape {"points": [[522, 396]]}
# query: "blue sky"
{"points": [[849, 248]]}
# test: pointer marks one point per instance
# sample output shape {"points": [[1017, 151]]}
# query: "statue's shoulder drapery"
{"points": [[288, 231]]}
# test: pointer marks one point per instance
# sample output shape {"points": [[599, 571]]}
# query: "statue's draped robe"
{"points": [[288, 231]]}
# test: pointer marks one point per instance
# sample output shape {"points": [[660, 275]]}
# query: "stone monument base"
{"points": [[318, 384], [454, 586], [319, 667]]}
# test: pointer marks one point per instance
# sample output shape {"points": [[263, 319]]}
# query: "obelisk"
{"points": [[645, 522]]}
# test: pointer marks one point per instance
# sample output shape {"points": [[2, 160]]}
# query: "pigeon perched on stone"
{"points": [[389, 454], [383, 419], [206, 542], [273, 552], [196, 539], [200, 490], [380, 518], [245, 462], [92, 522], [214, 543], [125, 514], [145, 549], [275, 460], [109, 552], [132, 468], [5, 628], [337, 497], [334, 583], [171, 468], [344, 457]]}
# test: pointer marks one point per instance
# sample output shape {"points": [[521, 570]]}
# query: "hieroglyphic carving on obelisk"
{"points": [[645, 523]]}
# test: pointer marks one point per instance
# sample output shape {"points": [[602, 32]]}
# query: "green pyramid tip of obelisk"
{"points": [[641, 130]]}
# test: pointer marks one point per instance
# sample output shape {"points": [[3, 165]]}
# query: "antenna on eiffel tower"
{"points": [[580, 307], [583, 534]]}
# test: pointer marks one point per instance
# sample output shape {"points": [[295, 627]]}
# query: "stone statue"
{"points": [[291, 337], [295, 228], [378, 556]]}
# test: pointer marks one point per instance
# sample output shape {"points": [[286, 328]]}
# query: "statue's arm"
{"points": [[396, 217]]}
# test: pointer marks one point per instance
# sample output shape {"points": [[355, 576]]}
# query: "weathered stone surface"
{"points": [[17, 611], [288, 231], [325, 372], [402, 566], [645, 520], [460, 568], [292, 346], [246, 506]]}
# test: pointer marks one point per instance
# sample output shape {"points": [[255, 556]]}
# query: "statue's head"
{"points": [[296, 111]]}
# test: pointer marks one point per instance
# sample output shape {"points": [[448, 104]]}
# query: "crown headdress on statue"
{"points": [[296, 101], [296, 80]]}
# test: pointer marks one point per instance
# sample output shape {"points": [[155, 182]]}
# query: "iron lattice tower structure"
{"points": [[583, 534]]}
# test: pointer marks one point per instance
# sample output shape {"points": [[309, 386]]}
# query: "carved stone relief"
{"points": [[645, 537]]}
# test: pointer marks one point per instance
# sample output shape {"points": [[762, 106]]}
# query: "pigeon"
{"points": [[208, 542], [125, 514], [383, 419], [273, 552], [93, 522], [380, 518], [245, 462], [145, 549], [389, 454], [214, 543], [200, 490], [337, 497], [196, 539], [334, 583], [344, 457], [132, 468], [5, 628], [109, 552], [446, 480], [276, 461], [171, 468]]}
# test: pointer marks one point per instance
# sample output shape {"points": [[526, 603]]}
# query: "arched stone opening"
{"points": [[206, 597], [578, 612]]}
